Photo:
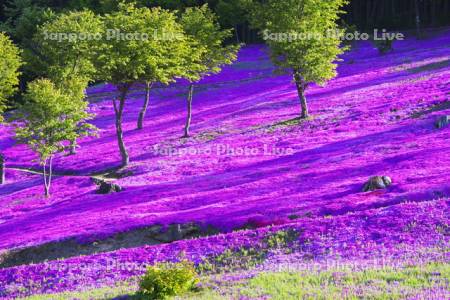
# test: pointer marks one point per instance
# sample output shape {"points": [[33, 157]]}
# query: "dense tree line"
{"points": [[397, 14], [364, 14]]}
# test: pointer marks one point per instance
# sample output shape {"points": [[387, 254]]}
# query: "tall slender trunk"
{"points": [[72, 148], [416, 7], [434, 17], [394, 13], [48, 176], [140, 124], [367, 18], [301, 87], [118, 109], [2, 170], [373, 14], [236, 33], [446, 9], [189, 110]]}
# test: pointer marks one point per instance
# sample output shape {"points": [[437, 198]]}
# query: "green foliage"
{"points": [[52, 116], [9, 70], [168, 279], [232, 260], [156, 58], [107, 6], [313, 58], [208, 52], [282, 239], [170, 4], [381, 283], [68, 45]]}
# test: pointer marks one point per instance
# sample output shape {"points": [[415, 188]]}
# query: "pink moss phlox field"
{"points": [[392, 233], [368, 121], [248, 164]]}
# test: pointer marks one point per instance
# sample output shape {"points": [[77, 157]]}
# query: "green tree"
{"points": [[68, 44], [9, 70], [310, 52], [207, 39], [140, 56], [165, 52], [51, 117], [10, 63]]}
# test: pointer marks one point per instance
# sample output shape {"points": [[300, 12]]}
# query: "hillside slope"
{"points": [[375, 118]]}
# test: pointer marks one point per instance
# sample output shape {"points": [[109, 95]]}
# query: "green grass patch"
{"points": [[101, 293], [385, 283], [381, 283], [288, 123]]}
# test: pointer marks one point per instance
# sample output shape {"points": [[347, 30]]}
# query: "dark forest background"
{"points": [[364, 14]]}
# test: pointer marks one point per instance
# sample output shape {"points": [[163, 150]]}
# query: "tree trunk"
{"points": [[189, 111], [236, 33], [416, 7], [301, 87], [434, 17], [446, 10], [394, 13], [72, 148], [373, 14], [140, 124], [119, 131], [48, 177], [367, 18], [2, 170]]}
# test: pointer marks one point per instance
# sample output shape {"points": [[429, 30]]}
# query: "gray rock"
{"points": [[377, 183], [442, 122], [108, 188]]}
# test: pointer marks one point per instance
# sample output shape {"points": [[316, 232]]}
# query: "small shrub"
{"points": [[282, 238], [168, 279]]}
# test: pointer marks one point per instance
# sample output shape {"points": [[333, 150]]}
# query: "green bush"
{"points": [[168, 279], [282, 238]]}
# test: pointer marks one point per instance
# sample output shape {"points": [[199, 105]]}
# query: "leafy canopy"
{"points": [[52, 116], [68, 44], [142, 44], [10, 63], [207, 39], [313, 57]]}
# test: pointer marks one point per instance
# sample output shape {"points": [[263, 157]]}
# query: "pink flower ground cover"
{"points": [[245, 163], [399, 233]]}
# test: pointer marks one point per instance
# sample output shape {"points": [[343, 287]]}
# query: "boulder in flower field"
{"points": [[105, 187], [442, 122], [377, 183]]}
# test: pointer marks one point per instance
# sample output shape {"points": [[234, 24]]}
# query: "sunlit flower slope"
{"points": [[248, 162]]}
